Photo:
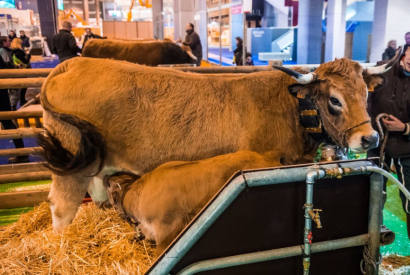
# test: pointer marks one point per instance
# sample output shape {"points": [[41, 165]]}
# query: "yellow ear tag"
{"points": [[301, 95], [371, 88]]}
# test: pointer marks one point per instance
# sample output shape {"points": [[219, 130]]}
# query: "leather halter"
{"points": [[312, 123], [310, 120]]}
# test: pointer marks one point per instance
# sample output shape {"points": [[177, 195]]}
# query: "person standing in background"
{"points": [[407, 38], [238, 52], [193, 41], [12, 35], [64, 44], [89, 35], [21, 60], [26, 44], [5, 99], [5, 52], [249, 60], [390, 51]]}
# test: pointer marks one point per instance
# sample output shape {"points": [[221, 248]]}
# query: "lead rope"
{"points": [[344, 132], [384, 137]]}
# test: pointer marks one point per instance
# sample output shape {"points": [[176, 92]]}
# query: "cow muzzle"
{"points": [[360, 142]]}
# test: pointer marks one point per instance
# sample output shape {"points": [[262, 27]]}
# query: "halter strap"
{"points": [[344, 132]]}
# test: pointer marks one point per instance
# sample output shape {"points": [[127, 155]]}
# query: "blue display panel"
{"points": [[7, 4]]}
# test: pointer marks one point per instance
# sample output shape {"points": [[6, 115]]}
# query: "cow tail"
{"points": [[60, 160]]}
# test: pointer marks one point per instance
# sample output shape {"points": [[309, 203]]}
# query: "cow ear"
{"points": [[299, 90], [374, 81]]}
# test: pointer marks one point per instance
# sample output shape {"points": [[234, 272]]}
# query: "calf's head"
{"points": [[117, 186], [339, 89]]}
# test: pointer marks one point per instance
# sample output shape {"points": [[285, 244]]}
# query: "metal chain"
{"points": [[368, 259]]}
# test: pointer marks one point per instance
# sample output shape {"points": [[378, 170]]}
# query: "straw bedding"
{"points": [[395, 265], [97, 242]]}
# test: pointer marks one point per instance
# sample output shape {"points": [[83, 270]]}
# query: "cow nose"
{"points": [[371, 141]]}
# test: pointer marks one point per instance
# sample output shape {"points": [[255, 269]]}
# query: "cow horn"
{"points": [[384, 68], [300, 78], [191, 55]]}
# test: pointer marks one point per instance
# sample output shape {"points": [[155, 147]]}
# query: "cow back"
{"points": [[151, 53]]}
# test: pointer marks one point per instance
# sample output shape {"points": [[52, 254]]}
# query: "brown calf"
{"points": [[165, 200]]}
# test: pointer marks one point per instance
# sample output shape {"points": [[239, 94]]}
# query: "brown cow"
{"points": [[105, 116], [151, 53], [165, 200]]}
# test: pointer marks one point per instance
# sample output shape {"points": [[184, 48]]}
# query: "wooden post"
{"points": [[349, 45], [38, 122], [86, 12], [97, 13]]}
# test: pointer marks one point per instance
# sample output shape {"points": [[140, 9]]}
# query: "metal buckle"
{"points": [[308, 113]]}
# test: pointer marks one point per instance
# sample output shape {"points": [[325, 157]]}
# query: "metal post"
{"points": [[270, 255], [375, 222], [307, 233], [220, 32], [244, 39], [86, 12], [97, 12]]}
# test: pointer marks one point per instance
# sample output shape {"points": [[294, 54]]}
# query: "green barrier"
{"points": [[24, 186], [395, 219], [9, 216]]}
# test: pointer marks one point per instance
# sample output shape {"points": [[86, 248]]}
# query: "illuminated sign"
{"points": [[60, 5], [114, 13]]}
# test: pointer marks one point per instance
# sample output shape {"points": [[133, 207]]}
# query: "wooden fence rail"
{"points": [[20, 152], [20, 133], [22, 168], [22, 73], [20, 177], [21, 114], [12, 83], [23, 198]]}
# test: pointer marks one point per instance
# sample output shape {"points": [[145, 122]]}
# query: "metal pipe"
{"points": [[220, 32], [236, 185], [273, 254], [307, 232], [372, 253], [387, 236], [390, 177], [244, 38]]}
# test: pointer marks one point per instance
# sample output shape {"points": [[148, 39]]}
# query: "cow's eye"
{"points": [[335, 102]]}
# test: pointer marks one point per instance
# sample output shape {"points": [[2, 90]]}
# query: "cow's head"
{"points": [[339, 89], [191, 56]]}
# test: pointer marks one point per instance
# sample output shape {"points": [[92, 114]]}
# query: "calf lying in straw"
{"points": [[165, 200]]}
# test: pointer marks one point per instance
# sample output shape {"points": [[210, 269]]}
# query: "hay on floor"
{"points": [[395, 265], [97, 242]]}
